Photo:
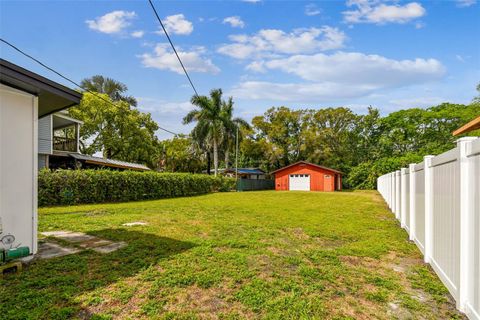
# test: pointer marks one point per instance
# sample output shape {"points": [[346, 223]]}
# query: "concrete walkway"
{"points": [[79, 240]]}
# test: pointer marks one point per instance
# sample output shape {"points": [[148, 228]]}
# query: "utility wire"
{"points": [[67, 79], [173, 47]]}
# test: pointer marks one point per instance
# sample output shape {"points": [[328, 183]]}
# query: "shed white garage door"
{"points": [[299, 182]]}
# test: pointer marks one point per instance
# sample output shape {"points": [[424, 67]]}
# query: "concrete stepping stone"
{"points": [[73, 237], [136, 223], [110, 248], [93, 243], [85, 241], [48, 250]]}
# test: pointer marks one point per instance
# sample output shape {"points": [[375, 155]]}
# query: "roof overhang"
{"points": [[52, 96], [308, 164], [245, 170], [61, 120], [109, 162], [472, 125]]}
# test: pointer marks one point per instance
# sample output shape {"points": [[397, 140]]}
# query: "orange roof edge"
{"points": [[309, 163], [472, 125]]}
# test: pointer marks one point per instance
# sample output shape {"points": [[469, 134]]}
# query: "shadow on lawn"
{"points": [[47, 289]]}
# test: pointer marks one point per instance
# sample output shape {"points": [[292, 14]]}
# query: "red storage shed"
{"points": [[305, 176]]}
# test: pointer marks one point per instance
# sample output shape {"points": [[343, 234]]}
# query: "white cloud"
{"points": [[168, 114], [465, 3], [252, 1], [378, 12], [419, 25], [268, 42], [113, 22], [352, 67], [299, 92], [163, 107], [177, 24], [234, 21], [338, 76], [256, 66], [461, 58], [164, 58], [137, 34], [418, 102], [312, 10]]}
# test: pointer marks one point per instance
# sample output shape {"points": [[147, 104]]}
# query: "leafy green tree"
{"points": [[477, 98], [209, 123], [115, 129], [283, 128], [180, 154], [424, 131], [114, 89], [329, 137]]}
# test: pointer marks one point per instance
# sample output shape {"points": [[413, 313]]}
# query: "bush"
{"points": [[67, 187], [364, 176]]}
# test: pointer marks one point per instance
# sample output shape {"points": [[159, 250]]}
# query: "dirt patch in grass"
{"points": [[211, 303], [278, 251], [298, 233], [120, 300], [262, 264], [354, 307], [390, 284]]}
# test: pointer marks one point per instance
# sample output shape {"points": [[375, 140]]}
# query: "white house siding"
{"points": [[18, 166], [45, 133], [42, 161]]}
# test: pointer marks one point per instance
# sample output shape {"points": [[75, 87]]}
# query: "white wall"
{"points": [[18, 166], [442, 198]]}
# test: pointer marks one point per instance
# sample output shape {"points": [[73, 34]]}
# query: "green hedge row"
{"points": [[66, 187]]}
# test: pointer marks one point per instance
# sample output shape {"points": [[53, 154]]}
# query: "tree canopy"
{"points": [[363, 146], [115, 129], [114, 89]]}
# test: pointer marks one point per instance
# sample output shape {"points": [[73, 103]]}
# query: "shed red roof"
{"points": [[308, 163]]}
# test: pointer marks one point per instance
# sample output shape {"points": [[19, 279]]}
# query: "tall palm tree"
{"points": [[114, 89], [231, 125], [209, 122]]}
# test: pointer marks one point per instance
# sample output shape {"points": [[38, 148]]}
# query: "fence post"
{"points": [[392, 191], [398, 193], [412, 204], [428, 169], [466, 220], [403, 197]]}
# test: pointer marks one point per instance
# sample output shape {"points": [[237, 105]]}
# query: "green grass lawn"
{"points": [[272, 255]]}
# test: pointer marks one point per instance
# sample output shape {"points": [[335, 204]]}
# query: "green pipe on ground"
{"points": [[12, 254]]}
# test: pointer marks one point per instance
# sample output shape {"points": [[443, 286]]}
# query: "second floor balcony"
{"points": [[65, 144]]}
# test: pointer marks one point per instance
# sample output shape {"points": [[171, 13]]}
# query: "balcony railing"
{"points": [[64, 144]]}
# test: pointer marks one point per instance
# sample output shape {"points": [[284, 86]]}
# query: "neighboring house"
{"points": [[59, 146], [305, 176], [58, 137], [25, 97], [245, 173], [471, 126]]}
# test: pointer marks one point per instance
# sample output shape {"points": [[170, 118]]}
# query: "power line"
{"points": [[68, 79], [173, 47]]}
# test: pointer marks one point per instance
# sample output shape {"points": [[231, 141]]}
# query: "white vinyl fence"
{"points": [[437, 202]]}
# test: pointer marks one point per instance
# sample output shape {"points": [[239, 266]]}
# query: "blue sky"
{"points": [[301, 54]]}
